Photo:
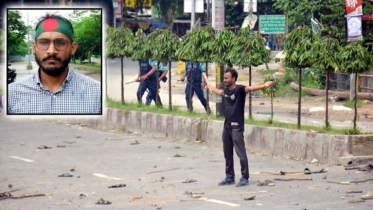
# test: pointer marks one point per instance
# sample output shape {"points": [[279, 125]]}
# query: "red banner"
{"points": [[368, 17], [354, 7]]}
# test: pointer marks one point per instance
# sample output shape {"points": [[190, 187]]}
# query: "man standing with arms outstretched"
{"points": [[234, 101]]}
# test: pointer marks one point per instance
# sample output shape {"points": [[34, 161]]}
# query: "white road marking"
{"points": [[23, 159], [107, 177], [219, 202]]}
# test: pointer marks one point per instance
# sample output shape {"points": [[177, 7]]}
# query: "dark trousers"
{"points": [[1, 102], [233, 138], [196, 87], [152, 87], [150, 97]]}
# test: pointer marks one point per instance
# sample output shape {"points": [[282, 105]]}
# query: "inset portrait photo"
{"points": [[55, 60]]}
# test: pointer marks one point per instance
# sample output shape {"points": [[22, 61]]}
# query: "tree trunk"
{"points": [[121, 79], [157, 91], [250, 96], [271, 106], [169, 87], [327, 100], [352, 86], [300, 97], [105, 79], [355, 101]]}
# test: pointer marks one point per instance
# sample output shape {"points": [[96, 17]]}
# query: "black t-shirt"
{"points": [[234, 102]]}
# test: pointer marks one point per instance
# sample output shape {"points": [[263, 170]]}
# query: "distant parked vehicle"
{"points": [[11, 76]]}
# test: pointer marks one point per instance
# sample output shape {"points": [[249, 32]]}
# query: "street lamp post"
{"points": [[29, 66]]}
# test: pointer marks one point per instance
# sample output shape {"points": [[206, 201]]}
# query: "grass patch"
{"points": [[133, 106], [268, 72], [1, 91], [92, 68], [350, 103]]}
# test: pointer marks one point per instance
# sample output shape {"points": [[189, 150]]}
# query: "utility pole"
{"points": [[218, 24], [193, 15], [29, 66]]}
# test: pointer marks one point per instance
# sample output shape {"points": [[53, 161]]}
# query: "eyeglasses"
{"points": [[59, 44]]}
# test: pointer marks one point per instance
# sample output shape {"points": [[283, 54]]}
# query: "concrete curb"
{"points": [[274, 141]]}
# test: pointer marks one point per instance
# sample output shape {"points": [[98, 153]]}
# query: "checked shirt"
{"points": [[78, 94]]}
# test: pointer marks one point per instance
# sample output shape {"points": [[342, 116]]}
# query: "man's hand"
{"points": [[209, 87], [144, 77], [203, 85], [182, 78], [268, 84]]}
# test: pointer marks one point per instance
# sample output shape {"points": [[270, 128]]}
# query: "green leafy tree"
{"points": [[356, 59], [222, 46], [168, 9], [140, 47], [163, 45], [271, 92], [87, 32], [326, 57], [248, 49], [298, 55], [197, 46], [16, 34], [1, 41], [119, 46]]}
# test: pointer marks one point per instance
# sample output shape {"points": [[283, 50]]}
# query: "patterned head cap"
{"points": [[55, 25]]}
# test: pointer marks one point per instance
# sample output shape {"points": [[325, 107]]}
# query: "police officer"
{"points": [[195, 73], [162, 72], [148, 80]]}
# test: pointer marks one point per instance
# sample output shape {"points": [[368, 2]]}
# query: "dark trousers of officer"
{"points": [[1, 102], [150, 97], [196, 87], [233, 138], [152, 87]]}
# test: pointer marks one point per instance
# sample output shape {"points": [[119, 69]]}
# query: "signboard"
{"points": [[354, 7], [368, 17], [246, 5], [354, 28], [132, 3], [199, 4], [249, 21], [316, 26], [117, 4], [219, 15], [272, 24]]}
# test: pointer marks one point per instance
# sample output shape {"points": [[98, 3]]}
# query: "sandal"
{"points": [[44, 147], [308, 171], [65, 175], [189, 181], [118, 185], [102, 201]]}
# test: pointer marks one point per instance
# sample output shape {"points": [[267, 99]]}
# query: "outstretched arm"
{"points": [[215, 90], [258, 87]]}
